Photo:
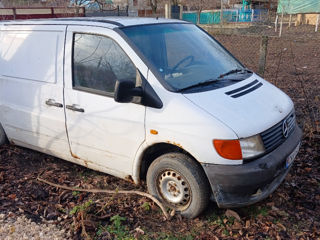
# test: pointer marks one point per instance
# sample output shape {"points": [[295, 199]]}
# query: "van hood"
{"points": [[248, 107]]}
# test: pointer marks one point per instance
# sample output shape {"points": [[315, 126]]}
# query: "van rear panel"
{"points": [[31, 73], [31, 53]]}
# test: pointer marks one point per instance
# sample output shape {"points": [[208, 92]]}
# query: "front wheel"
{"points": [[180, 183]]}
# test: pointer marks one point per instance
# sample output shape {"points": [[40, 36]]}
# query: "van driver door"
{"points": [[103, 134]]}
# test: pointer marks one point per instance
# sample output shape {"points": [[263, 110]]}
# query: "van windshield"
{"points": [[187, 58]]}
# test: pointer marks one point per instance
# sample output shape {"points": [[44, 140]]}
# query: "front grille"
{"points": [[275, 135]]}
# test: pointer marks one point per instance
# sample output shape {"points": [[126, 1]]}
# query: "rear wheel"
{"points": [[3, 137], [180, 183]]}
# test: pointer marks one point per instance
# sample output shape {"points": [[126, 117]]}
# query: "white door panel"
{"points": [[106, 134]]}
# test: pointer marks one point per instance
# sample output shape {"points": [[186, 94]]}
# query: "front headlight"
{"points": [[252, 147]]}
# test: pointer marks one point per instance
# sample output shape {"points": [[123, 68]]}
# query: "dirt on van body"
{"points": [[291, 212]]}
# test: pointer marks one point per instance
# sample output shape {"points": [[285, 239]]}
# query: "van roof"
{"points": [[112, 22]]}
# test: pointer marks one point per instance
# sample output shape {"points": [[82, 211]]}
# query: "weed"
{"points": [[226, 232], [230, 221], [118, 229], [213, 217], [60, 209], [116, 221], [83, 207], [146, 206], [264, 211], [101, 230], [169, 236], [255, 211], [75, 193], [219, 222], [189, 237], [275, 221]]}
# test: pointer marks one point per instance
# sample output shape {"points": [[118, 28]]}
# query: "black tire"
{"points": [[3, 138], [180, 183]]}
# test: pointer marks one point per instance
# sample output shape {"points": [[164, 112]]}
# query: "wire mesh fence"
{"points": [[108, 12]]}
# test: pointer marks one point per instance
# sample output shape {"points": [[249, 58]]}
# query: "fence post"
{"points": [[14, 13], [276, 23], [263, 55], [290, 19], [166, 10], [181, 11], [252, 14], [317, 22], [281, 24], [118, 9], [221, 13]]}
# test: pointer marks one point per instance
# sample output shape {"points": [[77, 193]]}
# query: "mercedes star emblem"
{"points": [[285, 129]]}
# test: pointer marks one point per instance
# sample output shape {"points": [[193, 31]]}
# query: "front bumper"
{"points": [[241, 185]]}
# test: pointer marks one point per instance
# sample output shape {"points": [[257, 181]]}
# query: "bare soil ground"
{"points": [[291, 212]]}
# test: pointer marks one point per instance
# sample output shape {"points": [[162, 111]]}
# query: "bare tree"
{"points": [[154, 5], [101, 4]]}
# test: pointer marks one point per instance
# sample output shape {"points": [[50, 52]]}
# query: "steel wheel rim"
{"points": [[174, 189]]}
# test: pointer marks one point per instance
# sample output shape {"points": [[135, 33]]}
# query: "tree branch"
{"points": [[166, 214]]}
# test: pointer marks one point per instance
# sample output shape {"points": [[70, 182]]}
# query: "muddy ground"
{"points": [[291, 212]]}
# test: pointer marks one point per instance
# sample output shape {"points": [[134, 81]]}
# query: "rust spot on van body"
{"points": [[176, 144], [85, 163], [73, 155], [129, 179]]}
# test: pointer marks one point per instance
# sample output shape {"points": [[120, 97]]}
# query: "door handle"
{"points": [[52, 102], [75, 107]]}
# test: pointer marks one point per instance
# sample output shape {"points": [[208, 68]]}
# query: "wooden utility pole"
{"points": [[263, 54]]}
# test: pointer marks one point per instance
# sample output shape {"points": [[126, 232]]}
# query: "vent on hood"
{"points": [[245, 89]]}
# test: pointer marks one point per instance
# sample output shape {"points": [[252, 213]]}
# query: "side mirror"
{"points": [[125, 90]]}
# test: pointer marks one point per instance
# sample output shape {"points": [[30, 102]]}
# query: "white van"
{"points": [[150, 99]]}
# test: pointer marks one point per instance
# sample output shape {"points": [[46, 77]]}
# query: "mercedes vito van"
{"points": [[146, 99]]}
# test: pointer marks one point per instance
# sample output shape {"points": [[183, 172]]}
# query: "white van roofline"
{"points": [[113, 22]]}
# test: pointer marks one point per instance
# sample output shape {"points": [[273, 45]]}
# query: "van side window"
{"points": [[98, 62]]}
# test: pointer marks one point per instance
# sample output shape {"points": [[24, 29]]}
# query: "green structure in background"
{"points": [[298, 6], [246, 4], [212, 17]]}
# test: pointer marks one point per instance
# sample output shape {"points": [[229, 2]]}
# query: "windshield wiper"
{"points": [[210, 81], [233, 71], [200, 84]]}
